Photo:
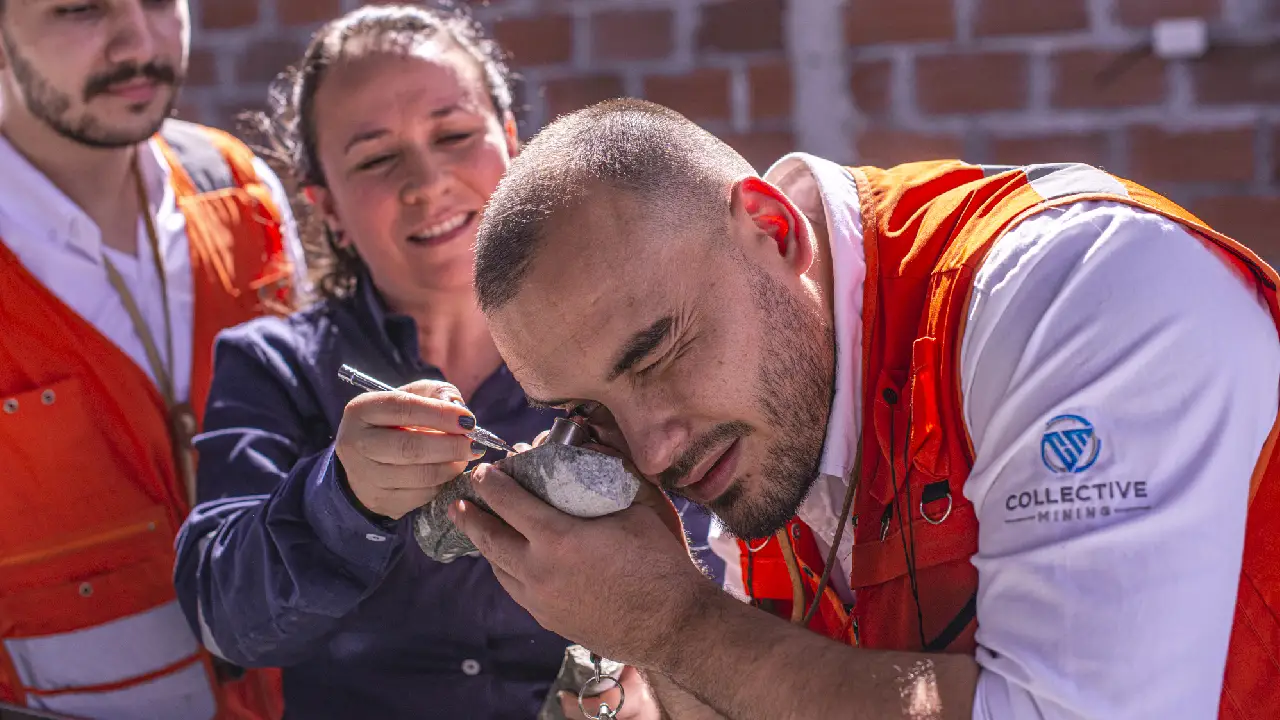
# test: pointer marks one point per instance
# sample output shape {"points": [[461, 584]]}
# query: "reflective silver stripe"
{"points": [[993, 170], [183, 695], [109, 653], [206, 635], [1062, 179]]}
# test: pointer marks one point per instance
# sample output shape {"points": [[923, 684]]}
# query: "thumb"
{"points": [[569, 706], [652, 497]]}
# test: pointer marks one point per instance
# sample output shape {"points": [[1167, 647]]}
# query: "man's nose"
{"points": [[656, 445], [131, 35]]}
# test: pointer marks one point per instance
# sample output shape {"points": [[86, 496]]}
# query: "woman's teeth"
{"points": [[443, 228]]}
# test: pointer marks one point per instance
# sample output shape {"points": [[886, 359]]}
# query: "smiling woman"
{"points": [[396, 125], [416, 109]]}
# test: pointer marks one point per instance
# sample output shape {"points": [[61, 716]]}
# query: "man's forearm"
{"points": [[675, 702], [748, 665]]}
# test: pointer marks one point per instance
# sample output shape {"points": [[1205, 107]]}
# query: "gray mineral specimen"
{"points": [[576, 670], [578, 481]]}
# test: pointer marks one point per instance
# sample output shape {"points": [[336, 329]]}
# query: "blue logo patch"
{"points": [[1069, 445]]}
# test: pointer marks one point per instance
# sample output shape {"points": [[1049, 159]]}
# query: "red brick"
{"points": [[761, 149], [886, 147], [770, 89], [1250, 219], [1076, 84], [191, 112], [1088, 148], [1140, 13], [701, 95], [632, 35], [305, 12], [569, 94], [1237, 75], [1023, 17], [741, 25], [1157, 155], [265, 59], [971, 82], [224, 14], [543, 40], [884, 21], [202, 68], [871, 83]]}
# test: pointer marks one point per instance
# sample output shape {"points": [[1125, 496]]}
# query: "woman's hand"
{"points": [[398, 448]]}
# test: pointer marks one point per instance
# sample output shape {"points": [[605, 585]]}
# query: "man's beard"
{"points": [[53, 107], [794, 389]]}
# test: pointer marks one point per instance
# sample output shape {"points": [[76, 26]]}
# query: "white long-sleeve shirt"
{"points": [[62, 247], [1110, 358]]}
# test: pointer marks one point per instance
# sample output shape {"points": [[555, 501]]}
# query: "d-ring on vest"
{"points": [[927, 228], [89, 621]]}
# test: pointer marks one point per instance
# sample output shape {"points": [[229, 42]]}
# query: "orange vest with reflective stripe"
{"points": [[91, 497], [927, 228]]}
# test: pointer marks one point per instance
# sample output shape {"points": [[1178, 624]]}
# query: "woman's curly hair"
{"points": [[289, 129]]}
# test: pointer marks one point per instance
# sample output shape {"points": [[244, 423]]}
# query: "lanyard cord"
{"points": [[163, 372], [181, 422]]}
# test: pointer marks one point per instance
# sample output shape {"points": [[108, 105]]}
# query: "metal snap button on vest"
{"points": [[47, 397], [86, 589], [470, 667], [10, 406]]}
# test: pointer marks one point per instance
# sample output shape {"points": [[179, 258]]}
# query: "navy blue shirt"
{"points": [[277, 568]]}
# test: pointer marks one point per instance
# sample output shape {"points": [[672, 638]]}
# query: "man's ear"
{"points": [[512, 134], [777, 220], [322, 204]]}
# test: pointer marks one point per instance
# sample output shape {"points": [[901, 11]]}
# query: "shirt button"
{"points": [[470, 667], [10, 406], [375, 537]]}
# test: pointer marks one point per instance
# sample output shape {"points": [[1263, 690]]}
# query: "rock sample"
{"points": [[576, 670], [578, 481]]}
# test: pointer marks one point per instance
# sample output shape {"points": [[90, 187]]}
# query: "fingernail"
{"points": [[467, 422], [457, 401], [478, 448]]}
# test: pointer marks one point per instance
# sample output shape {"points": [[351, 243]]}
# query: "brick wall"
{"points": [[880, 81]]}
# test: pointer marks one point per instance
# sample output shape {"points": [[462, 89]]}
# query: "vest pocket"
{"points": [[73, 502]]}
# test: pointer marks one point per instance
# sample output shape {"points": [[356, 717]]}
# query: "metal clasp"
{"points": [[606, 712]]}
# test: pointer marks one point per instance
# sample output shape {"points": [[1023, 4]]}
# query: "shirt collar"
{"points": [[398, 333], [825, 192], [31, 205]]}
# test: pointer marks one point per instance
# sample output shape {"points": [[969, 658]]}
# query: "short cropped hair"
{"points": [[626, 144]]}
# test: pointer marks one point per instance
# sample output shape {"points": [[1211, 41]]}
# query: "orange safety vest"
{"points": [[91, 496], [927, 228]]}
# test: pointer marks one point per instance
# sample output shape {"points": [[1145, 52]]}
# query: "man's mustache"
{"points": [[161, 73], [689, 459]]}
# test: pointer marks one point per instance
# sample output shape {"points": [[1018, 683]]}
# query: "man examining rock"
{"points": [[1023, 416]]}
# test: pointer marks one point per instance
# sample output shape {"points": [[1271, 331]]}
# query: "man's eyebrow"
{"points": [[640, 345], [547, 404]]}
